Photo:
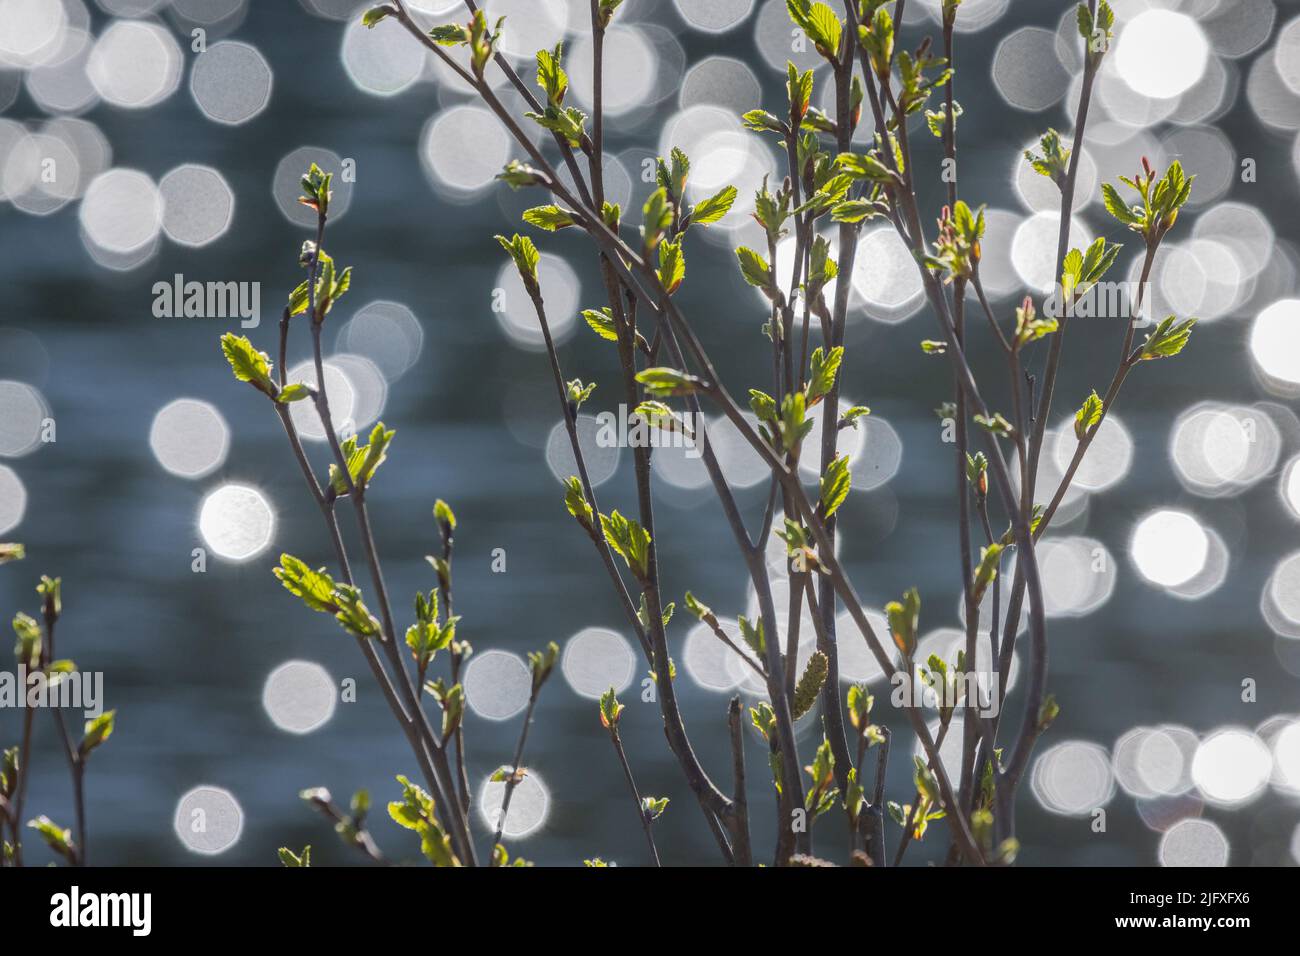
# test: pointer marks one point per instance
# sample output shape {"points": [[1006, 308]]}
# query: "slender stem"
{"points": [[24, 771], [744, 854], [436, 764], [636, 794], [571, 428], [512, 781], [906, 840]]}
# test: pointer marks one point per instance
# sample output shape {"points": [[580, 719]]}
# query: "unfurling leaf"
{"points": [[98, 730], [1167, 340], [550, 217], [903, 619], [525, 257], [835, 485], [576, 502], [666, 382], [672, 265], [294, 861], [629, 540], [248, 364], [1088, 415], [610, 710], [370, 19], [824, 368], [987, 571]]}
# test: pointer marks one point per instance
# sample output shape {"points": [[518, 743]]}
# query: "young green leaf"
{"points": [[711, 210], [98, 730], [756, 271], [1169, 338], [314, 588], [610, 710], [629, 540], [835, 484], [824, 368], [248, 364], [1088, 415], [903, 617], [525, 256], [665, 382], [549, 218], [576, 502], [672, 265]]}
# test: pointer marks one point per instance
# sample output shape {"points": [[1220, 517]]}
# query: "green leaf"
{"points": [[375, 15], [629, 540], [903, 619], [294, 861], [11, 551], [28, 649], [56, 838], [1167, 340], [549, 218], [810, 685], [851, 416], [602, 323], [824, 368], [294, 392], [835, 484], [541, 663], [937, 120], [607, 8], [866, 166], [987, 571], [658, 415], [451, 34], [1053, 160], [755, 270], [610, 710], [353, 614], [761, 121], [248, 364], [314, 588], [701, 610], [579, 393], [653, 807], [819, 23], [995, 424], [1088, 415], [576, 502], [551, 76], [657, 218], [443, 514], [517, 175], [1048, 712], [712, 210], [753, 635], [665, 382], [1116, 206], [672, 266], [98, 730], [525, 256], [763, 405]]}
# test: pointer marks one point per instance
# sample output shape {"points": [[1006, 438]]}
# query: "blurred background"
{"points": [[142, 139]]}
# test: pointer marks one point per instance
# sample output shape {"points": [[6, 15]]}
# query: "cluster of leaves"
{"points": [[32, 655]]}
